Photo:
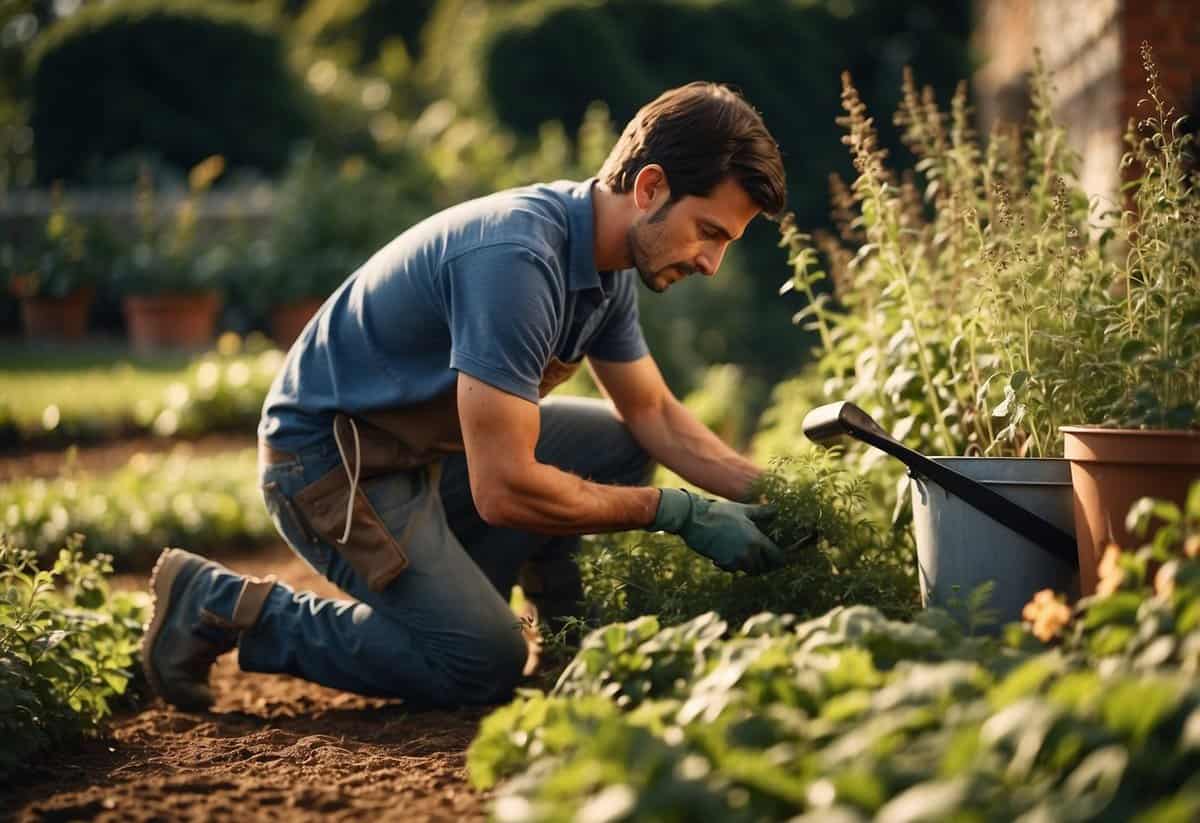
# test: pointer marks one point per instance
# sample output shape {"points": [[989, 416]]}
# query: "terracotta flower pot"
{"points": [[289, 319], [1112, 468], [57, 318], [171, 320]]}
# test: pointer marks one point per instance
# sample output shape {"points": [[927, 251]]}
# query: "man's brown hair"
{"points": [[700, 134]]}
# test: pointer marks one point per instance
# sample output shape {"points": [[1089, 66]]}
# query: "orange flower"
{"points": [[1111, 573], [1047, 613]]}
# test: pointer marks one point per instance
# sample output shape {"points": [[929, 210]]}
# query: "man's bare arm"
{"points": [[670, 433], [512, 489]]}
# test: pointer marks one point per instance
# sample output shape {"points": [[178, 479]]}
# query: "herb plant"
{"points": [[67, 649], [978, 301], [837, 557]]}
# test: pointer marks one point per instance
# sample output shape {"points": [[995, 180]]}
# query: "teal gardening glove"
{"points": [[726, 533]]}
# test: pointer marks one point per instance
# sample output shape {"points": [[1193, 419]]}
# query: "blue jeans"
{"points": [[442, 632]]}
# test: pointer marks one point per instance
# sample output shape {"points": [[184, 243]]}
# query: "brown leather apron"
{"points": [[375, 444]]}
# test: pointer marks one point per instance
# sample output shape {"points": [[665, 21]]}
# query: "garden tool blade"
{"points": [[827, 422]]}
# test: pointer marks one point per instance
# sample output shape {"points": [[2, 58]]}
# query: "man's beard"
{"points": [[641, 250]]}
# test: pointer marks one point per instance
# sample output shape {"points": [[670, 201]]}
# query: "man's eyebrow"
{"points": [[718, 228]]}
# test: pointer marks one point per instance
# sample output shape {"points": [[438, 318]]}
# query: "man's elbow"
{"points": [[496, 504]]}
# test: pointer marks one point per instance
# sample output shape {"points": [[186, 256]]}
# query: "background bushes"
{"points": [[179, 81], [545, 61]]}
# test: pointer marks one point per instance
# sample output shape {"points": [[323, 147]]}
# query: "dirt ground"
{"points": [[273, 748]]}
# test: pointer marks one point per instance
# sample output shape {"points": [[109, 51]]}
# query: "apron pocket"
{"points": [[372, 551]]}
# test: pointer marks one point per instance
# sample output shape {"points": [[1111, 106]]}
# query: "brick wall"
{"points": [[1091, 46]]}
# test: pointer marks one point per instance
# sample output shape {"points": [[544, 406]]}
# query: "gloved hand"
{"points": [[726, 533]]}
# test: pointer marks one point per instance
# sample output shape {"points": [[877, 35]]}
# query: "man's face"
{"points": [[668, 241]]}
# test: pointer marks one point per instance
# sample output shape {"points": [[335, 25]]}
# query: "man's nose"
{"points": [[708, 262]]}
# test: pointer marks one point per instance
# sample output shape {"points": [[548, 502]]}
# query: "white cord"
{"points": [[353, 477]]}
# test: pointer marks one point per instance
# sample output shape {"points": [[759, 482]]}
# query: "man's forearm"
{"points": [[544, 499], [674, 437]]}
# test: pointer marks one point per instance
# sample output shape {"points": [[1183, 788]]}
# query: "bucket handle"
{"points": [[844, 418]]}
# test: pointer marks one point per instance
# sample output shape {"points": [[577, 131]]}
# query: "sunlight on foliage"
{"points": [[67, 648]]}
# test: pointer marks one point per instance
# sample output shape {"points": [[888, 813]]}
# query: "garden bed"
{"points": [[273, 747]]}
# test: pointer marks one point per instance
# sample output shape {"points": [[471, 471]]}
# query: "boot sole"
{"points": [[170, 563]]}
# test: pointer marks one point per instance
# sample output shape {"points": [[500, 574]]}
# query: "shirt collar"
{"points": [[582, 272]]}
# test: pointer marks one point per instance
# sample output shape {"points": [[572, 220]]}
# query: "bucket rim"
{"points": [[998, 459]]}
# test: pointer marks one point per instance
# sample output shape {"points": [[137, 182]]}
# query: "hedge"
{"points": [[183, 80]]}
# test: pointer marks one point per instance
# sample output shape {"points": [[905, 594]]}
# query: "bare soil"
{"points": [[273, 748]]}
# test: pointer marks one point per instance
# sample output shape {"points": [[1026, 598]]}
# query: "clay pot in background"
{"points": [[171, 320], [289, 319], [57, 318], [1110, 470]]}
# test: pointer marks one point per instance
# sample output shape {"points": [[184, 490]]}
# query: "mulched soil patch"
{"points": [[273, 748]]}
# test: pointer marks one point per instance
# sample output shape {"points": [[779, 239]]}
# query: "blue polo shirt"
{"points": [[503, 288]]}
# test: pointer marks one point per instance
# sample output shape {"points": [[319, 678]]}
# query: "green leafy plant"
{"points": [[328, 221], [167, 255], [67, 648], [1148, 374], [838, 557], [976, 309], [852, 716], [64, 257], [131, 513]]}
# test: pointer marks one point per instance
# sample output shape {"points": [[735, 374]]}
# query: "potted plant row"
{"points": [[981, 305]]}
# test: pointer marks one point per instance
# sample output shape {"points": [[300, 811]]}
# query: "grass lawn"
{"points": [[98, 383]]}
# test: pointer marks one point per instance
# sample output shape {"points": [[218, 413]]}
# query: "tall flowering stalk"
{"points": [[975, 306]]}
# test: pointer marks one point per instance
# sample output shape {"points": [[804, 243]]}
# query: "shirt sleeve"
{"points": [[620, 339], [504, 304]]}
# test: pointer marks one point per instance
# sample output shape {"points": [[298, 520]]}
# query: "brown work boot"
{"points": [[200, 608]]}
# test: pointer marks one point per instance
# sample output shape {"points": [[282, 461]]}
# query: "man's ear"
{"points": [[650, 189]]}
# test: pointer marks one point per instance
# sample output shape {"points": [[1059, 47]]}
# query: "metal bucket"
{"points": [[959, 547]]}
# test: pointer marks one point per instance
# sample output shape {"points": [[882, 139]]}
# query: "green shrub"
{"points": [[329, 220], [167, 254], [156, 500], [624, 52], [483, 59], [67, 649], [182, 80], [837, 557]]}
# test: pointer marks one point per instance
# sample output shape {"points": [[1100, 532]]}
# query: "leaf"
{"points": [[1130, 350], [935, 800], [1135, 708], [1018, 380], [1145, 510], [1004, 407], [1119, 608]]}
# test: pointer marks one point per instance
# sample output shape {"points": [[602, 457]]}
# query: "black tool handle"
{"points": [[835, 419]]}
